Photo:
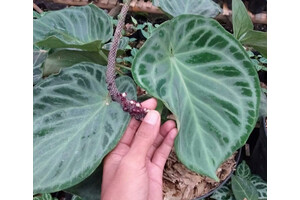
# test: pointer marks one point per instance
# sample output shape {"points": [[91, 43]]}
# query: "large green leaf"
{"points": [[241, 21], [204, 76], [66, 58], [39, 56], [257, 40], [84, 27], [260, 185], [75, 125], [206, 8], [90, 188], [243, 188], [243, 171]]}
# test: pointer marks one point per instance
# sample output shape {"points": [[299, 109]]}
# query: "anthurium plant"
{"points": [[199, 71]]}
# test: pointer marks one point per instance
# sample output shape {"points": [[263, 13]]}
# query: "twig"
{"points": [[134, 108], [35, 7]]}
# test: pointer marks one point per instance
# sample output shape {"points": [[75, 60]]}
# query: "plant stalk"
{"points": [[134, 108]]}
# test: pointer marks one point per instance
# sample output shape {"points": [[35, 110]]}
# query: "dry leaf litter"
{"points": [[180, 183]]}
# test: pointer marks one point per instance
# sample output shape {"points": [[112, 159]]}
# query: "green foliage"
{"points": [[36, 15], [146, 28], [75, 125], [243, 171], [243, 185], [197, 70], [90, 188], [242, 188], [206, 8], [205, 78], [257, 40], [45, 196], [240, 19], [243, 29], [63, 58], [223, 193], [263, 104], [74, 197], [86, 27], [123, 44], [258, 61], [39, 57], [260, 185]]}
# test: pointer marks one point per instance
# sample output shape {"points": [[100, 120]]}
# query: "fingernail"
{"points": [[152, 117]]}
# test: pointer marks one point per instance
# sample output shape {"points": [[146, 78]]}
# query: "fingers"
{"points": [[144, 138], [112, 160], [134, 124], [164, 130], [162, 152]]}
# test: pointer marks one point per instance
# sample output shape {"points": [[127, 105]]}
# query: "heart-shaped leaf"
{"points": [[66, 58], [243, 171], [260, 185], [39, 56], [206, 8], [75, 125], [86, 27], [204, 76], [243, 189]]}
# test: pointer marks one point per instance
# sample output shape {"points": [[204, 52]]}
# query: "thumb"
{"points": [[144, 137]]}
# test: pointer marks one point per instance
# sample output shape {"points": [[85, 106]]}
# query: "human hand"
{"points": [[134, 169]]}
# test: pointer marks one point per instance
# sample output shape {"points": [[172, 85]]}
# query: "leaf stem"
{"points": [[123, 66]]}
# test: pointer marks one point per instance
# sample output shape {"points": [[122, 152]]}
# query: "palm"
{"points": [[155, 181]]}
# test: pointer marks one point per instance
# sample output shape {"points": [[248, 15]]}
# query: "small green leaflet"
{"points": [[243, 188], [243, 171]]}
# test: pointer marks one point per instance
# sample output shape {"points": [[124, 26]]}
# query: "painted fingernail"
{"points": [[152, 117]]}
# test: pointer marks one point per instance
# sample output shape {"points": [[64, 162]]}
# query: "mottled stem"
{"points": [[134, 108]]}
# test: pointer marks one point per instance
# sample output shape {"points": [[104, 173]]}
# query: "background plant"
{"points": [[204, 75], [243, 185], [243, 29]]}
